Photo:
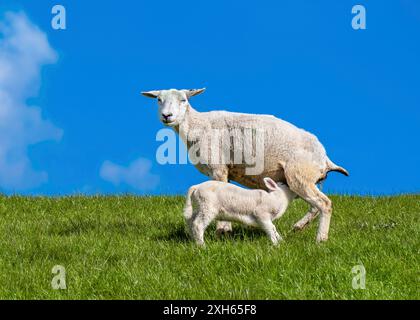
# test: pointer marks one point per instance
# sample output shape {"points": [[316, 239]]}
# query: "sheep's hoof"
{"points": [[321, 238], [299, 226]]}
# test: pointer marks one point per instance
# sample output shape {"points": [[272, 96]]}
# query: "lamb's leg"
{"points": [[189, 223], [301, 179], [197, 230], [222, 227], [200, 224], [270, 229]]}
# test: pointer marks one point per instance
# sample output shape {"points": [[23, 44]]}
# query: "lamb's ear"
{"points": [[151, 94], [270, 184], [194, 92]]}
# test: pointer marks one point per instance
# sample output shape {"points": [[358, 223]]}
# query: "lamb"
{"points": [[219, 200], [290, 155]]}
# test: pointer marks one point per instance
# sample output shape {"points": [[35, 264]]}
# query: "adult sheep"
{"points": [[290, 154]]}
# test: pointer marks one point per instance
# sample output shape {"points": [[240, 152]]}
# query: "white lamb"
{"points": [[224, 201]]}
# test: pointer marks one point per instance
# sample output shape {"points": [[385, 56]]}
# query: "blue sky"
{"points": [[358, 91]]}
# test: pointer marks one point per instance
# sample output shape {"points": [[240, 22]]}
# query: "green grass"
{"points": [[135, 248]]}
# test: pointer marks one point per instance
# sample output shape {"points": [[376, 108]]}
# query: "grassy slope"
{"points": [[136, 248]]}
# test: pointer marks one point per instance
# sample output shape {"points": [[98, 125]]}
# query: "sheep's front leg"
{"points": [[222, 227]]}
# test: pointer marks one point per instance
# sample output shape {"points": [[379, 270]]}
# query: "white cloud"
{"points": [[136, 175], [24, 50]]}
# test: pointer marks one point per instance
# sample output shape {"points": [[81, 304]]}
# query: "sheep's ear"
{"points": [[151, 94], [194, 92], [270, 184]]}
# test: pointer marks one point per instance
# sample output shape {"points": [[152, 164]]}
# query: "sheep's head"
{"points": [[172, 104]]}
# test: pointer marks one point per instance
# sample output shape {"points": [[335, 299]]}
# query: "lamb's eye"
{"points": [[183, 100], [159, 100]]}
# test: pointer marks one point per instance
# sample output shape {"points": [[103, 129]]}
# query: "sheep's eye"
{"points": [[183, 100], [159, 100]]}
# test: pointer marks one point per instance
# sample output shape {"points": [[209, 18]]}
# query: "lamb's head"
{"points": [[173, 104], [279, 189]]}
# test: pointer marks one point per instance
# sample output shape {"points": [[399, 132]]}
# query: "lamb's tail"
{"points": [[331, 166], [188, 209]]}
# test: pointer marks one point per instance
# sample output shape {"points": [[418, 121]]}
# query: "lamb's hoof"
{"points": [[223, 228], [277, 243], [223, 231]]}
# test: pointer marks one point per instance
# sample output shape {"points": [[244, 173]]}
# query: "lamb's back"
{"points": [[227, 196]]}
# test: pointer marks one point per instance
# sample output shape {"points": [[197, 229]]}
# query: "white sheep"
{"points": [[290, 154], [224, 201]]}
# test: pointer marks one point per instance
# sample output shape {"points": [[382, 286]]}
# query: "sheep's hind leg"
{"points": [[317, 199], [309, 216], [307, 219], [301, 178]]}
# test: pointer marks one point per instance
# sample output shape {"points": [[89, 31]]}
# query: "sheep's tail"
{"points": [[331, 166], [188, 209]]}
